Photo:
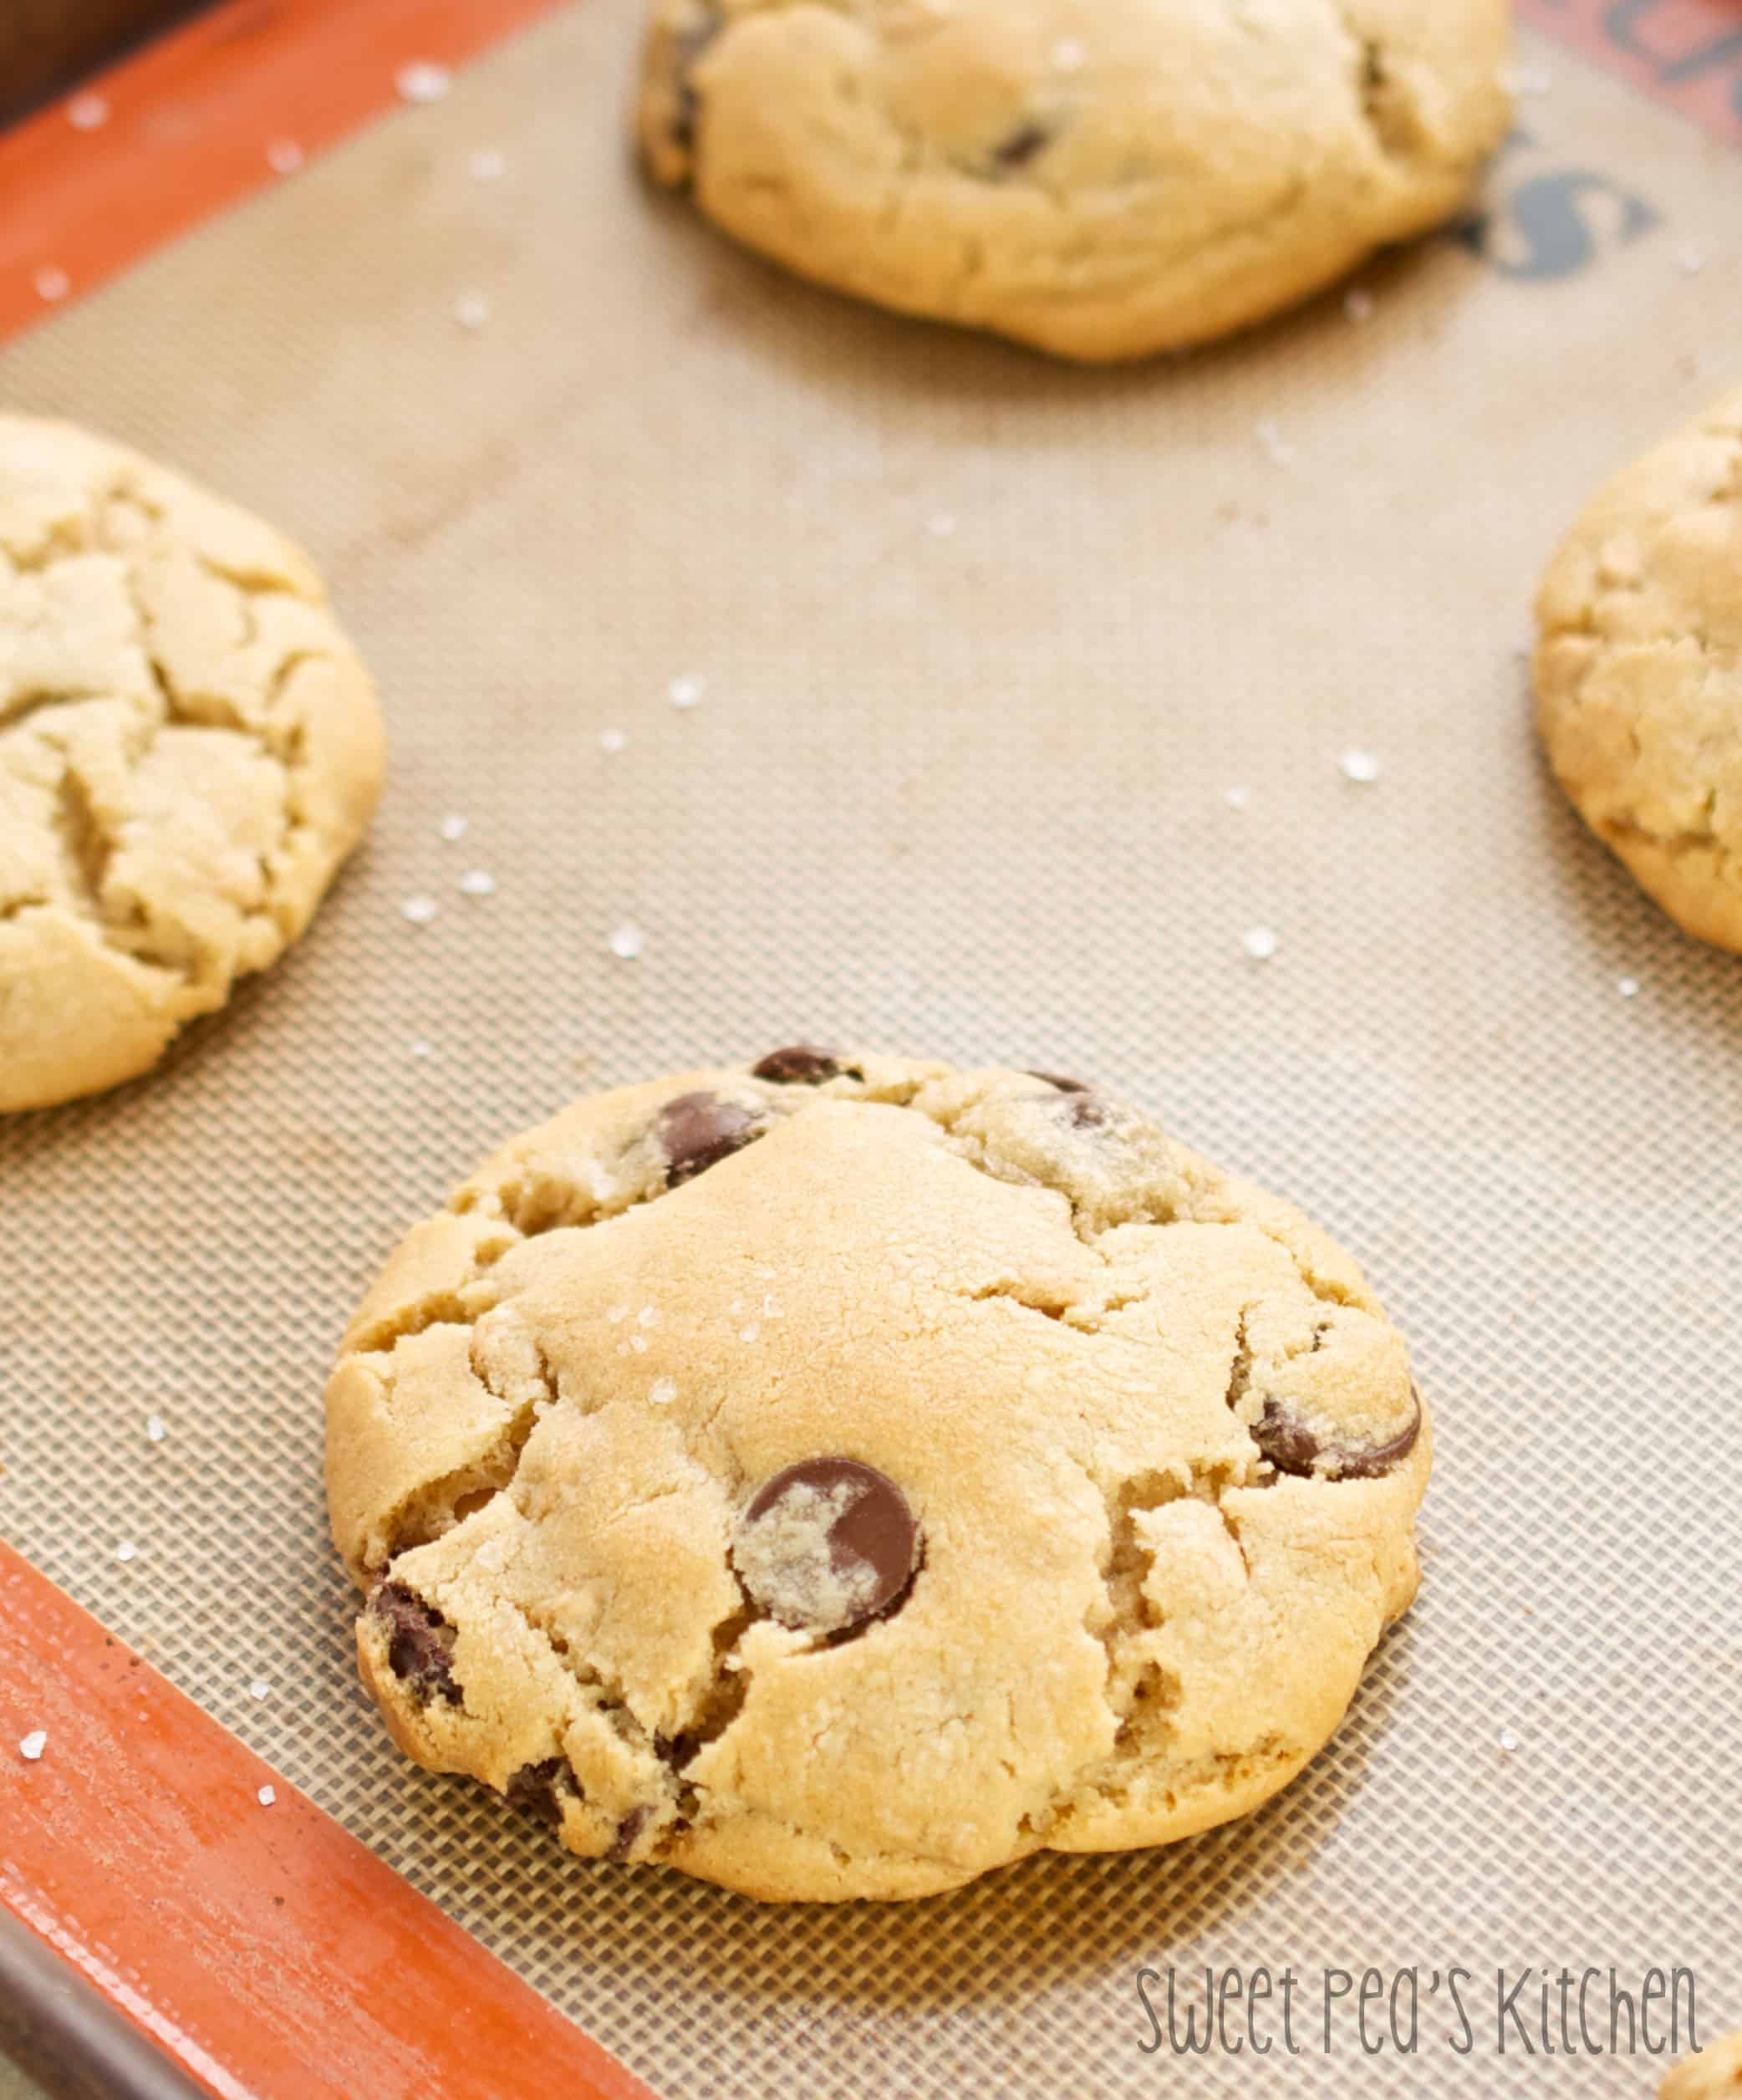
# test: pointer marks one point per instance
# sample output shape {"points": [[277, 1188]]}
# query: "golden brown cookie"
{"points": [[1639, 671], [189, 747], [1102, 182], [843, 1477]]}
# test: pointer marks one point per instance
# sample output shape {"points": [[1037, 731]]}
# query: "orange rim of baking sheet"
{"points": [[211, 1930], [232, 101], [164, 1927], [1687, 53]]}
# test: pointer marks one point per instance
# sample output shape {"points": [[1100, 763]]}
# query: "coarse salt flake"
{"points": [[422, 81], [1259, 942], [267, 1796], [1359, 765], [32, 1746], [419, 911], [626, 943], [685, 692]]}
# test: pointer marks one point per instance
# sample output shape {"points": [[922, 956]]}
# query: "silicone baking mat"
{"points": [[983, 644]]}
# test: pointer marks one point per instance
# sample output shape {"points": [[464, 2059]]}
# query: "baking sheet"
{"points": [[984, 643]]}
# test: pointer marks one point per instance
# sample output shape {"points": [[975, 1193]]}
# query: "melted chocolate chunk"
{"points": [[540, 1789], [628, 1831], [802, 1064], [686, 47], [827, 1546], [1087, 1111], [1292, 1448], [1022, 145], [1064, 1085], [419, 1642], [698, 1130]]}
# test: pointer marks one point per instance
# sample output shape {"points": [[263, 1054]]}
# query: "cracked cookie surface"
{"points": [[947, 1466], [1639, 671], [1715, 2074], [1101, 182], [189, 747]]}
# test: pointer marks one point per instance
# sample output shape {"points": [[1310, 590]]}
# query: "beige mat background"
{"points": [[985, 641]]}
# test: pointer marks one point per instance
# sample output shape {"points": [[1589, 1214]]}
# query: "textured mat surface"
{"points": [[984, 643]]}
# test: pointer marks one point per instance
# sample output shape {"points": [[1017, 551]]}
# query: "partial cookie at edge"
{"points": [[1103, 186], [1638, 671], [189, 747], [1715, 2074]]}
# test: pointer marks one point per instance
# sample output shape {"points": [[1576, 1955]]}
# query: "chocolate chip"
{"points": [[419, 1642], [628, 1831], [1292, 1448], [1064, 1085], [801, 1065], [827, 1545], [698, 1130], [540, 1789], [1087, 1111], [686, 47], [1020, 148]]}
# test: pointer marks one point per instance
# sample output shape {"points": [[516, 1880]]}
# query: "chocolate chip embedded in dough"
{"points": [[628, 1831], [1291, 1447], [801, 1064], [697, 1131], [827, 1545], [540, 1789], [1020, 147], [1063, 1084], [419, 1642]]}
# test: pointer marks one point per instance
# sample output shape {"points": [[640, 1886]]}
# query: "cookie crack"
{"points": [[1386, 113], [445, 1307], [1025, 1296], [17, 709]]}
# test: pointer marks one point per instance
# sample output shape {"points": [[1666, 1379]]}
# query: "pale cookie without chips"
{"points": [[189, 747], [1715, 2074], [1102, 181], [841, 1477], [1639, 671]]}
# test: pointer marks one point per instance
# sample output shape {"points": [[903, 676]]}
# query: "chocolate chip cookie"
{"points": [[1639, 671], [189, 747], [840, 1477], [1102, 182]]}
